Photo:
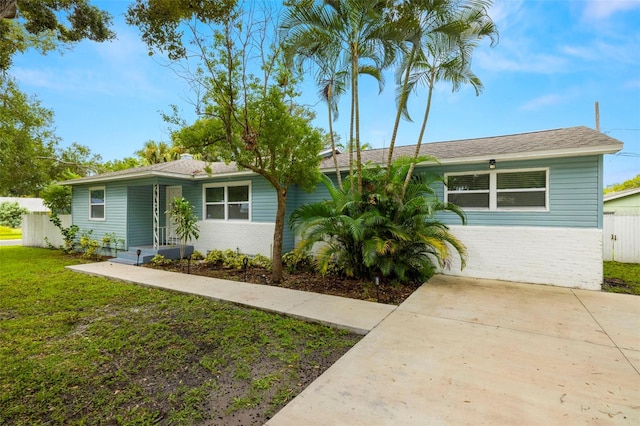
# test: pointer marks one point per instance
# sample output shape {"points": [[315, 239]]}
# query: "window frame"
{"points": [[103, 204], [494, 191], [226, 202]]}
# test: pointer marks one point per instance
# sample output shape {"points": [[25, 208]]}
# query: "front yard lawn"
{"points": [[7, 233], [86, 350], [622, 277]]}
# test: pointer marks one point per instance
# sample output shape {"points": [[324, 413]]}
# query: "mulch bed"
{"points": [[301, 280]]}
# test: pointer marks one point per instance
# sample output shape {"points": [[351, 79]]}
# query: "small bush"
{"points": [[160, 260], [214, 257], [230, 259], [11, 214], [88, 245], [296, 261], [233, 260], [260, 261], [68, 234], [196, 255]]}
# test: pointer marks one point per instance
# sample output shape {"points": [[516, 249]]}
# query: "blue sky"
{"points": [[555, 58]]}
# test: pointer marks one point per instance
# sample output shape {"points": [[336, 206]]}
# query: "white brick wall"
{"points": [[566, 257], [250, 238]]}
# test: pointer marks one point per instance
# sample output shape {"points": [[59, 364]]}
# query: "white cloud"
{"points": [[632, 84], [519, 60], [601, 9], [542, 101]]}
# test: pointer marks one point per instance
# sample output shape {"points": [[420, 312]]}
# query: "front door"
{"points": [[172, 193]]}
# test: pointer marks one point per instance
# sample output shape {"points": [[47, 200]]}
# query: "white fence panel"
{"points": [[35, 227], [621, 238]]}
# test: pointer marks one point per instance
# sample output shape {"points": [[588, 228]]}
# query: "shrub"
{"points": [[214, 257], [233, 260], [11, 214], [88, 245], [230, 259], [382, 231], [297, 260], [68, 234], [196, 255], [160, 260], [260, 261]]}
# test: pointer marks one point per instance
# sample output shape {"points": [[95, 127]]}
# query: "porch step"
{"points": [[123, 261], [130, 257]]}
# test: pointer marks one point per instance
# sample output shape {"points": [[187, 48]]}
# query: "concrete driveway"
{"points": [[468, 351]]}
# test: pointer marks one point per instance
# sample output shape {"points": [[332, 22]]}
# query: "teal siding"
{"points": [[575, 200], [115, 211], [129, 208], [264, 201], [140, 214], [574, 195]]}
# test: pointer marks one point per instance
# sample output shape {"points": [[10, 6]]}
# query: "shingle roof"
{"points": [[546, 143], [543, 144]]}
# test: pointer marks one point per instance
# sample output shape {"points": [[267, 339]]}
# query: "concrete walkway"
{"points": [[458, 351], [356, 316]]}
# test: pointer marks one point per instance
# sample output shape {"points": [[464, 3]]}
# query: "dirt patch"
{"points": [[386, 292], [616, 285]]}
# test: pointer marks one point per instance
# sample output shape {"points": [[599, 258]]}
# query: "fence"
{"points": [[37, 226], [621, 238]]}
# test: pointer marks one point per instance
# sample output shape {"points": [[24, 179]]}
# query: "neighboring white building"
{"points": [[34, 205]]}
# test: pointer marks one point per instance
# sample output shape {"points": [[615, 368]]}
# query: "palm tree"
{"points": [[312, 47], [158, 152], [441, 46], [380, 232], [356, 28]]}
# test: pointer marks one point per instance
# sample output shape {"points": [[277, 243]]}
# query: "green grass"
{"points": [[78, 349], [7, 233], [627, 276]]}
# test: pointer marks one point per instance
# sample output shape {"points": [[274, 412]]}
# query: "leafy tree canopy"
{"points": [[46, 24], [159, 21], [27, 142], [245, 96], [29, 154], [627, 184]]}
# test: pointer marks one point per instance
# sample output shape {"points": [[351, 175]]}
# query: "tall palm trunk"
{"points": [[356, 113], [333, 141], [351, 134], [404, 95], [416, 153]]}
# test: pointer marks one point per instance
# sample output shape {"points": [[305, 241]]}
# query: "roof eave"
{"points": [[620, 194], [131, 176], [517, 156], [539, 155]]}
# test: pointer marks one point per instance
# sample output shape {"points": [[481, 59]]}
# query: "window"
{"points": [[227, 202], [522, 190], [97, 203], [469, 190], [499, 190]]}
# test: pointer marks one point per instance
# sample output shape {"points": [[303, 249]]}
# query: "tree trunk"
{"points": [[421, 136], [333, 142], [401, 103], [356, 111], [276, 269]]}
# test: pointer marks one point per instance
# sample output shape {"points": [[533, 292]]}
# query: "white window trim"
{"points": [[104, 204], [226, 200], [493, 190]]}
